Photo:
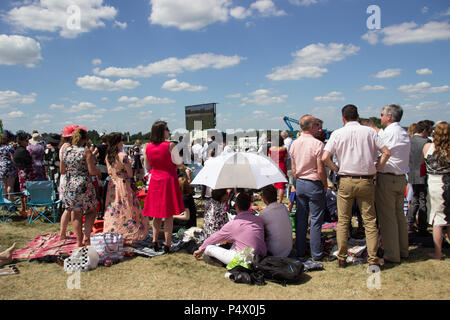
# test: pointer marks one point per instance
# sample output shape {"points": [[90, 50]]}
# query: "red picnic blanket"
{"points": [[47, 245]]}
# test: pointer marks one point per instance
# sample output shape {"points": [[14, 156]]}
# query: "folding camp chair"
{"points": [[41, 200], [8, 207]]}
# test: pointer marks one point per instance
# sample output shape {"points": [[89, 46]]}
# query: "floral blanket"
{"points": [[46, 245]]}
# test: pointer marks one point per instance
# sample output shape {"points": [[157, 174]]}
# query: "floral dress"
{"points": [[7, 167], [37, 153], [215, 217], [123, 214], [78, 192]]}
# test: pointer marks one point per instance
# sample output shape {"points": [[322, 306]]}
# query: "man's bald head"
{"points": [[306, 122]]}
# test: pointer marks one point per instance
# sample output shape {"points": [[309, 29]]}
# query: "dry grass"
{"points": [[180, 276]]}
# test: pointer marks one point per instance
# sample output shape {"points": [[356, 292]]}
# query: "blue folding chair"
{"points": [[8, 206], [41, 201]]}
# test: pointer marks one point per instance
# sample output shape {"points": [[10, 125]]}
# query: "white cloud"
{"points": [[264, 97], [195, 15], [121, 25], [58, 16], [240, 12], [330, 97], [146, 115], [135, 102], [173, 66], [303, 2], [15, 115], [389, 73], [43, 116], [260, 114], [16, 50], [234, 96], [424, 71], [423, 87], [309, 62], [410, 32], [12, 98], [56, 106], [96, 61], [119, 109], [102, 84], [266, 8], [188, 15], [80, 107], [175, 85], [374, 87], [424, 10]]}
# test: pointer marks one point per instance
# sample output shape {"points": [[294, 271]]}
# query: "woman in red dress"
{"points": [[279, 155], [164, 198]]}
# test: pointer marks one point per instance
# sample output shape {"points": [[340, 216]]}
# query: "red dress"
{"points": [[280, 158], [164, 198]]}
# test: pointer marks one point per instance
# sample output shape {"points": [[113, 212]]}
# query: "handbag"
{"points": [[109, 246], [84, 259]]}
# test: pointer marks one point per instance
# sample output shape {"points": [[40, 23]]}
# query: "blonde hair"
{"points": [[411, 129], [441, 140], [79, 137]]}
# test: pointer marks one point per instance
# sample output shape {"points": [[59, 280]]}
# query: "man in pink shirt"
{"points": [[246, 230], [356, 148], [310, 187]]}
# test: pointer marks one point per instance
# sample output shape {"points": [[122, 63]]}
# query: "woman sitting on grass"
{"points": [[188, 218], [215, 216]]}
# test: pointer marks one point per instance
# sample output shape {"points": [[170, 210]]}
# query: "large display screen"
{"points": [[206, 113]]}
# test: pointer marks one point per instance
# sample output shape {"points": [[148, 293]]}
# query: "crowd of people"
{"points": [[373, 169]]}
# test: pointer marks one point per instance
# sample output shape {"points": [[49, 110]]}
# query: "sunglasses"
{"points": [[167, 129]]}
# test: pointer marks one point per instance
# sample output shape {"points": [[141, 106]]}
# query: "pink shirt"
{"points": [[246, 230], [304, 152], [356, 148]]}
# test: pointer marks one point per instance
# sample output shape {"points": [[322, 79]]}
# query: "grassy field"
{"points": [[181, 276]]}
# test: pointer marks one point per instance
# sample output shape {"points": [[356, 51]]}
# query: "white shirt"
{"points": [[278, 229], [197, 151], [287, 144], [356, 148], [227, 149], [396, 139]]}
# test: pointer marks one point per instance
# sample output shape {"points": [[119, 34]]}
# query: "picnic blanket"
{"points": [[189, 239], [331, 225], [46, 245]]}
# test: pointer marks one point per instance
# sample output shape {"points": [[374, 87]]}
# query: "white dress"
{"points": [[438, 189]]}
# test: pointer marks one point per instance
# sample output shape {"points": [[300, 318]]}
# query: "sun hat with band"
{"points": [[69, 130], [36, 138]]}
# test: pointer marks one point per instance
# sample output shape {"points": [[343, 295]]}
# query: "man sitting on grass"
{"points": [[246, 230], [277, 224]]}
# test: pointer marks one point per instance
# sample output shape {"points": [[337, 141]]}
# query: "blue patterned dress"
{"points": [[79, 191], [7, 167]]}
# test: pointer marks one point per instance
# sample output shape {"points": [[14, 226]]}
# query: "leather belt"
{"points": [[391, 174], [358, 177]]}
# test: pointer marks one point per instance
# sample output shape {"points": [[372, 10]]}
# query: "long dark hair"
{"points": [[112, 151], [158, 130]]}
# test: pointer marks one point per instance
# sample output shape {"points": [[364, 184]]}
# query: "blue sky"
{"points": [[121, 65]]}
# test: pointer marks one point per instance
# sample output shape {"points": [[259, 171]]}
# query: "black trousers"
{"points": [[418, 206]]}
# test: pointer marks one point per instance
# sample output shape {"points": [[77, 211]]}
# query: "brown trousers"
{"points": [[363, 191], [389, 199]]}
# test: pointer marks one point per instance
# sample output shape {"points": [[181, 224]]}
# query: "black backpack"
{"points": [[276, 269]]}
